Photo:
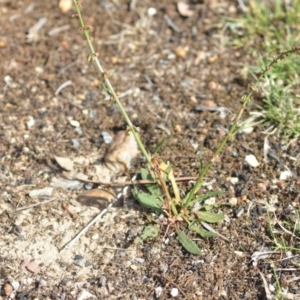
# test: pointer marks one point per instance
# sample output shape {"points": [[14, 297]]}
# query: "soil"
{"points": [[165, 67]]}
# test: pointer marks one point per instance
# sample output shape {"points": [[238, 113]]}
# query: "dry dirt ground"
{"points": [[166, 67]]}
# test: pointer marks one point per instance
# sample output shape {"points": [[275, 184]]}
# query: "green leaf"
{"points": [[150, 231], [202, 232], [147, 200], [187, 243], [159, 145], [153, 188], [208, 217], [204, 197]]}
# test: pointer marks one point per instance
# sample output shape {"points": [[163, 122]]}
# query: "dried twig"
{"points": [[85, 229], [121, 183], [35, 204]]}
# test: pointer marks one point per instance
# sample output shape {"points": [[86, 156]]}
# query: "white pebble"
{"points": [[74, 123], [174, 292], [41, 192], [284, 175], [30, 122], [84, 295], [158, 291], [251, 160], [151, 11]]}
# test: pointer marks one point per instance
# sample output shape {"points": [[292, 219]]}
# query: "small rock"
{"points": [[152, 11], [251, 161], [184, 9], [45, 192], [33, 267], [65, 5], [174, 292], [234, 180], [79, 260], [7, 289], [140, 260], [134, 267], [158, 292], [84, 295], [74, 123], [75, 143], [42, 283], [233, 201], [15, 285], [30, 123], [102, 280], [180, 51], [106, 137], [284, 175]]}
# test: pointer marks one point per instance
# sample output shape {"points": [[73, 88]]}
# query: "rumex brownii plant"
{"points": [[162, 194]]}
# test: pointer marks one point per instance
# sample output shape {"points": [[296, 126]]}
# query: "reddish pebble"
{"points": [[33, 267], [24, 263], [8, 289]]}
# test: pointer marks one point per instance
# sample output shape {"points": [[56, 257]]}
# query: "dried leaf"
{"points": [[96, 197], [184, 9], [187, 243], [65, 163]]}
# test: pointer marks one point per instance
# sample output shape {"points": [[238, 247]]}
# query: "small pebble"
{"points": [[8, 289], [42, 283], [140, 260], [33, 267], [251, 160], [75, 143], [180, 51], [133, 267], [30, 123], [45, 192], [106, 137], [152, 11], [84, 295], [158, 292], [79, 260], [102, 280], [74, 123], [174, 292], [284, 175]]}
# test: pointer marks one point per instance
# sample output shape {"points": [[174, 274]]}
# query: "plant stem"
{"points": [[111, 90]]}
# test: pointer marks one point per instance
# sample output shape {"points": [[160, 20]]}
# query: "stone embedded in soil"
{"points": [[251, 160], [45, 192], [33, 267], [174, 292], [65, 163], [85, 295], [7, 289], [79, 260]]}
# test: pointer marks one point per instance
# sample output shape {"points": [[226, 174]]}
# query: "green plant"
{"points": [[270, 27], [162, 194]]}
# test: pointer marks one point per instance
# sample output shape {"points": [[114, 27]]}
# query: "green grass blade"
{"points": [[208, 217], [202, 232]]}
